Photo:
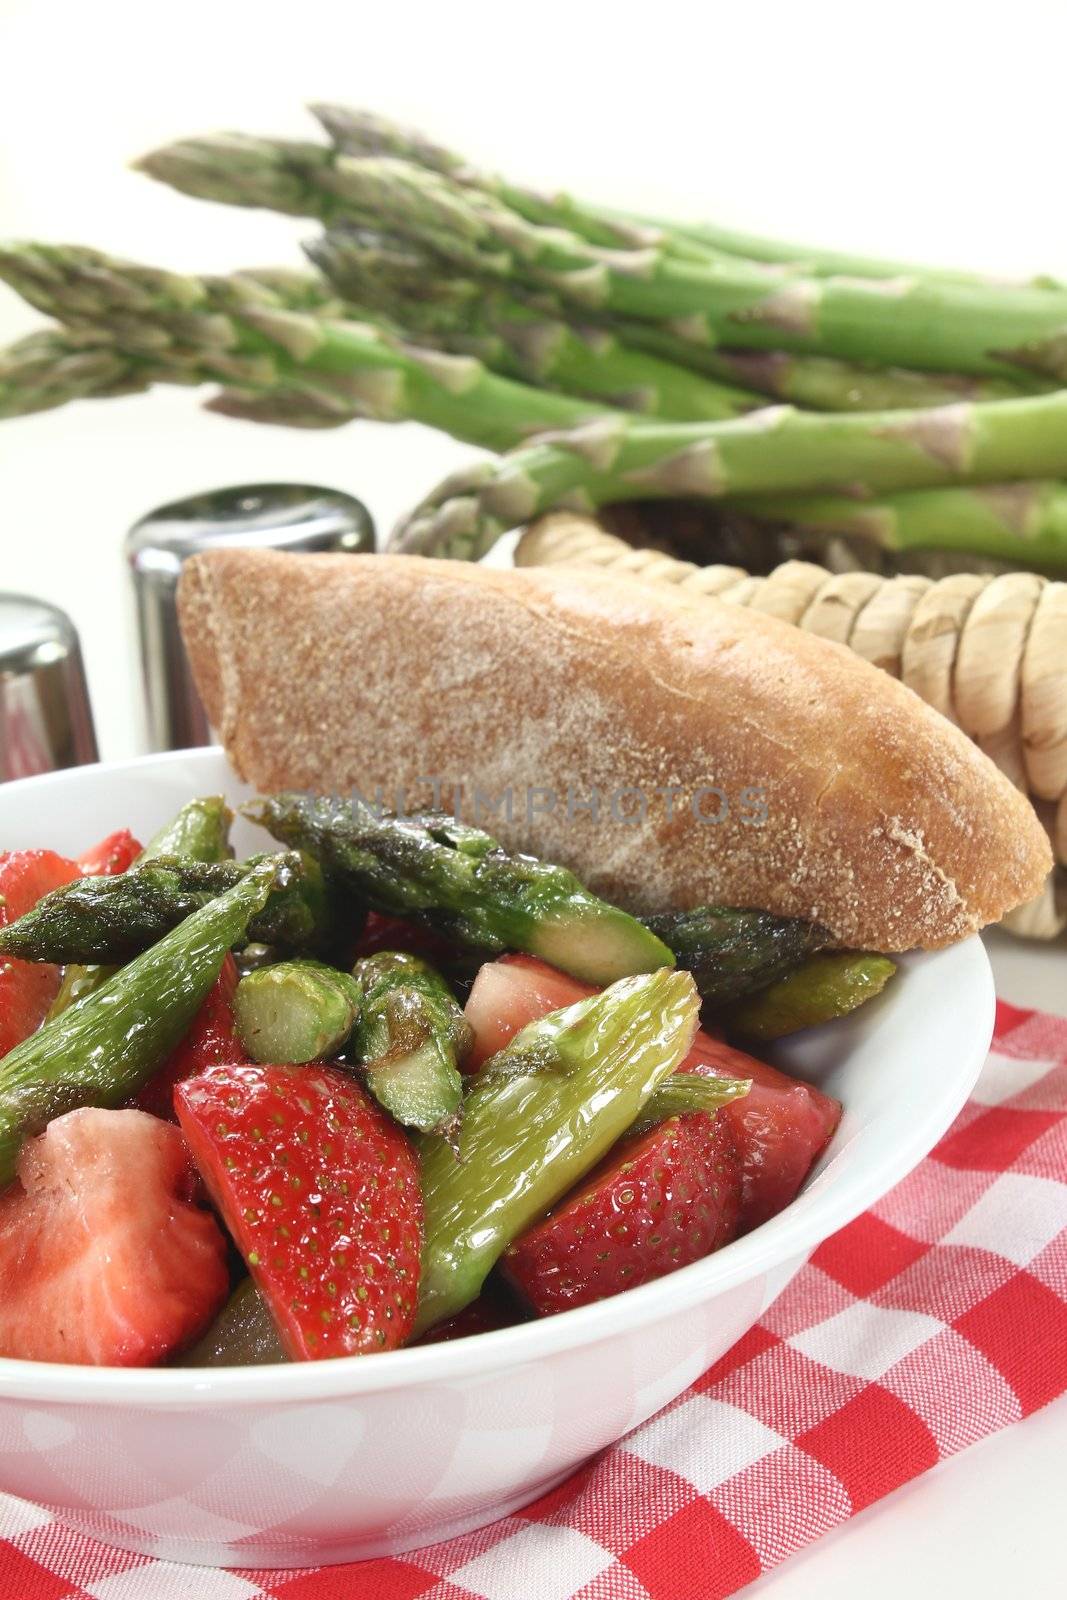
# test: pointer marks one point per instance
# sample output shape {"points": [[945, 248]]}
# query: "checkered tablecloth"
{"points": [[935, 1319]]}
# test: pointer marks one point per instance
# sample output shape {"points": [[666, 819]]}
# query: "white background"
{"points": [[932, 131]]}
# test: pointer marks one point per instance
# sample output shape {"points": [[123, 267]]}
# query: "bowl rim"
{"points": [[795, 1232]]}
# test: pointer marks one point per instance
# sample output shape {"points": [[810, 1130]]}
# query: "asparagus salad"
{"points": [[381, 1082]]}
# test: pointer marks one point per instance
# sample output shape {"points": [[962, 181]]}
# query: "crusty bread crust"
{"points": [[883, 821]]}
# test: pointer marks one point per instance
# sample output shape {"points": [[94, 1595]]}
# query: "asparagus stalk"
{"points": [[49, 369], [363, 133], [462, 880], [826, 383], [299, 178], [732, 953], [112, 919], [242, 1335], [824, 987], [1025, 522], [307, 180], [409, 1038], [777, 451], [101, 1051], [906, 322], [295, 1011], [513, 338], [822, 263], [253, 335], [199, 831], [540, 1115], [686, 1093]]}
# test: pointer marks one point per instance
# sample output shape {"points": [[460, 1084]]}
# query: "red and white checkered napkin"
{"points": [[936, 1318]]}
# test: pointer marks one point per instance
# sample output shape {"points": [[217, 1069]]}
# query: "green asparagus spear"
{"points": [[540, 1115], [101, 1051], [519, 340], [684, 1093], [638, 366], [730, 953], [462, 880], [897, 322], [409, 1038], [113, 919], [254, 334], [823, 987], [242, 1335], [50, 368], [295, 1011], [199, 832], [304, 179], [364, 133], [1026, 522], [778, 450]]}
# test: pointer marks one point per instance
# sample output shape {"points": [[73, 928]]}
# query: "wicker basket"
{"points": [[989, 652]]}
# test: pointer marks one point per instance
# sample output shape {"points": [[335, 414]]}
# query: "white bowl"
{"points": [[341, 1460]]}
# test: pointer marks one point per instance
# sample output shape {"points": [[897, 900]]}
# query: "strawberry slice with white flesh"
{"points": [[27, 988], [106, 1255]]}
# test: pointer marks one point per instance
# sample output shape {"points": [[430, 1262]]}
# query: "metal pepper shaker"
{"points": [[272, 516], [45, 718]]}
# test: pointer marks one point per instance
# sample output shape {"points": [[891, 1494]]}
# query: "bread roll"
{"points": [[673, 751]]}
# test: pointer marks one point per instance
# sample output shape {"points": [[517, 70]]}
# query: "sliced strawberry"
{"points": [[493, 1309], [381, 932], [781, 1126], [105, 1256], [27, 988], [509, 993], [321, 1193], [111, 856], [658, 1201], [212, 1039]]}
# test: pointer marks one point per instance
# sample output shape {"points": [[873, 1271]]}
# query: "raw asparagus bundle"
{"points": [[271, 338], [266, 335], [496, 312], [309, 180], [919, 322]]}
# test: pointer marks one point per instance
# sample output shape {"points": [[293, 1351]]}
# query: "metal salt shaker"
{"points": [[266, 516], [46, 721]]}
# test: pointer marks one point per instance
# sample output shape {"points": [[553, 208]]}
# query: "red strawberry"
{"points": [[211, 1040], [493, 1309], [111, 856], [381, 932], [104, 1255], [27, 988], [321, 1193], [658, 1201], [509, 993], [781, 1126]]}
